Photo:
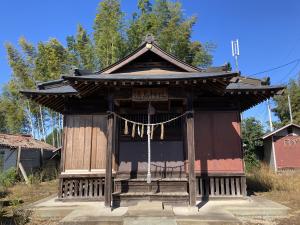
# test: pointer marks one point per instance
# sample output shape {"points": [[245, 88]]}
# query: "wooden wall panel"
{"points": [[88, 142], [69, 142], [100, 143], [218, 142], [85, 142], [77, 140]]}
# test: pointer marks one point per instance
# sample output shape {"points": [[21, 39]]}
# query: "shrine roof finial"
{"points": [[150, 39]]}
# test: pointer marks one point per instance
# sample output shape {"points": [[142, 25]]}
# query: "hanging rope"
{"points": [[152, 131], [150, 124], [162, 130], [133, 130], [126, 127], [142, 131]]}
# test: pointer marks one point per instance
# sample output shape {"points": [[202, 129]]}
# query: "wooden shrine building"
{"points": [[152, 127]]}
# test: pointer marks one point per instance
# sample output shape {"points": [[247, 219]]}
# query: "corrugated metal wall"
{"points": [[287, 151], [9, 158]]}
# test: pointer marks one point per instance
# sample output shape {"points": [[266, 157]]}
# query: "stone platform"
{"points": [[145, 212]]}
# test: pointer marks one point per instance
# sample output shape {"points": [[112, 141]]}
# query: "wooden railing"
{"points": [[220, 186], [168, 171], [89, 188]]}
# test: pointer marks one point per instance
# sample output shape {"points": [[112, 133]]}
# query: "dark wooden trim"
{"points": [[87, 175], [108, 171], [90, 166], [62, 151], [41, 157], [220, 187], [213, 174], [191, 152]]}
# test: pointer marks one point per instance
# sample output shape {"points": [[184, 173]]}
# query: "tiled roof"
{"points": [[24, 141]]}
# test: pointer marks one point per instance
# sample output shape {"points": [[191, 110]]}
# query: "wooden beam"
{"points": [[191, 152], [41, 158], [23, 172], [108, 171], [18, 156]]}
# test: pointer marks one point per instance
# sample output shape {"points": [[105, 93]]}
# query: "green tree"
{"points": [[108, 37], [282, 110], [12, 104], [46, 62], [142, 23], [51, 61], [252, 131], [172, 30], [82, 49]]}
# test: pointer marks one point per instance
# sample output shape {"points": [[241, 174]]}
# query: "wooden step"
{"points": [[132, 198], [156, 185]]}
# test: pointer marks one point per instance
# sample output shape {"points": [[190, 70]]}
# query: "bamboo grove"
{"points": [[112, 38]]}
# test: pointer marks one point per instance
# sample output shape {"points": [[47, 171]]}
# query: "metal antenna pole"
{"points": [[290, 108], [270, 116], [235, 52]]}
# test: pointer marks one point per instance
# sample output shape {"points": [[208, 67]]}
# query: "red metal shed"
{"points": [[282, 148]]}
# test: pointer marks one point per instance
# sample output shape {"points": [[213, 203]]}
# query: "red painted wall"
{"points": [[287, 150], [218, 142]]}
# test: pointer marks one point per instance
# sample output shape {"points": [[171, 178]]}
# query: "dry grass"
{"points": [[282, 188], [264, 179], [21, 195], [31, 193]]}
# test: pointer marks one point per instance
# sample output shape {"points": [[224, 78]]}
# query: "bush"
{"points": [[21, 216], [251, 162], [8, 178], [41, 175], [34, 178]]}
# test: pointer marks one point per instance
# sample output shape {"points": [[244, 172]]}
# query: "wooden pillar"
{"points": [[62, 162], [41, 157], [191, 152], [19, 151], [108, 170]]}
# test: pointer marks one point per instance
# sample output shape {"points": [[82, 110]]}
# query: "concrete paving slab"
{"points": [[95, 213], [207, 223], [52, 202], [258, 207], [51, 213], [149, 221], [150, 209]]}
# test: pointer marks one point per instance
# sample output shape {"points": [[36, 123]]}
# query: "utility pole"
{"points": [[272, 137], [290, 108], [270, 116], [235, 52]]}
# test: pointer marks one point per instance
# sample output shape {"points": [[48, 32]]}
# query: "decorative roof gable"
{"points": [[149, 57]]}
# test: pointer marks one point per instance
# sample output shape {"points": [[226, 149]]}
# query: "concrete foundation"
{"points": [[144, 213]]}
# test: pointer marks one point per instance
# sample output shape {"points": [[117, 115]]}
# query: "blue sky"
{"points": [[268, 30]]}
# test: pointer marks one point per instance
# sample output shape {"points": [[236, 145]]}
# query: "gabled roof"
{"points": [[149, 45], [280, 129], [164, 76], [66, 89], [149, 65], [24, 141]]}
